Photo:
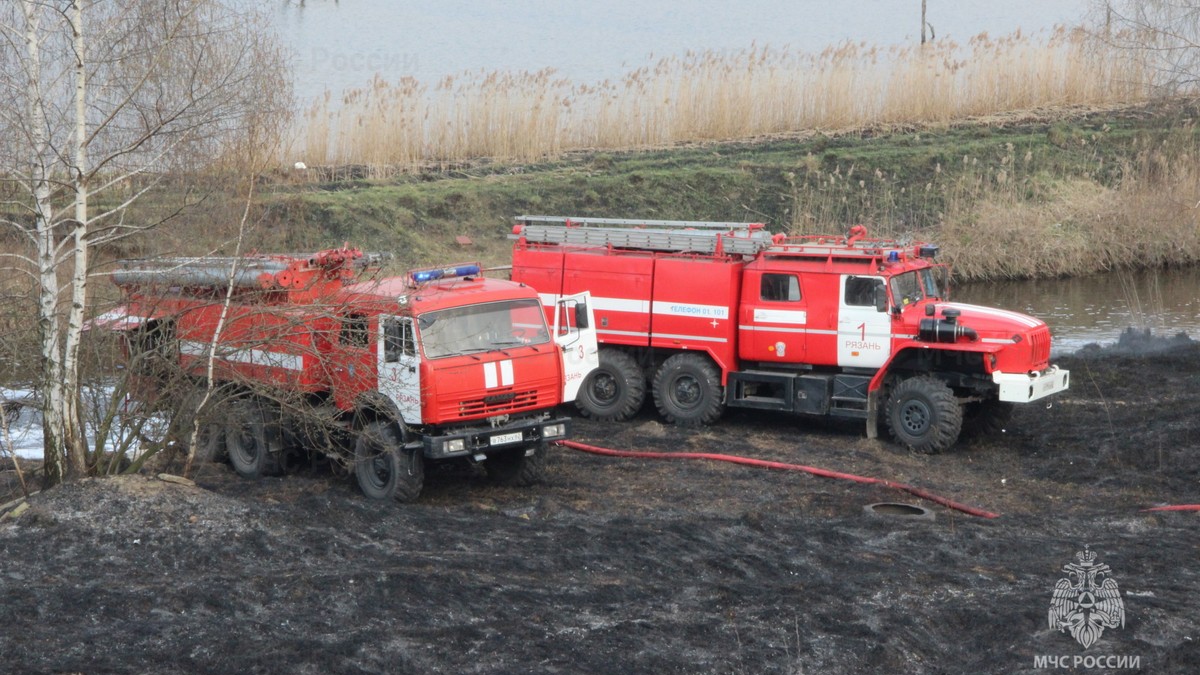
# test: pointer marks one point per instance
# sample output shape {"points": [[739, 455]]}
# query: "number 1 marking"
{"points": [[863, 329]]}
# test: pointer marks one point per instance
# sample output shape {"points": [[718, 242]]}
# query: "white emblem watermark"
{"points": [[1087, 601], [1084, 604]]}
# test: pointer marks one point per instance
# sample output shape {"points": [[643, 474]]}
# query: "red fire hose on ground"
{"points": [[824, 473]]}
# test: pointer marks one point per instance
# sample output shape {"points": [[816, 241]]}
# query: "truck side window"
{"points": [[860, 291], [354, 331], [393, 341], [398, 340], [780, 288]]}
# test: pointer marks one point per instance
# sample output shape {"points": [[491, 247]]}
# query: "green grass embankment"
{"points": [[1048, 194]]}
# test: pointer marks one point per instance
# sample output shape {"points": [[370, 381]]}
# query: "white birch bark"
{"points": [[49, 332], [110, 98], [74, 438]]}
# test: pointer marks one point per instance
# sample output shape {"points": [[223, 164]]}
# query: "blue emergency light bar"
{"points": [[431, 275]]}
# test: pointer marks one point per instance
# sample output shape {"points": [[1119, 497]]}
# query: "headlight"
{"points": [[554, 430], [456, 445]]}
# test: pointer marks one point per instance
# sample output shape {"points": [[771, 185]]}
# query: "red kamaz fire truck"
{"points": [[381, 375], [707, 315]]}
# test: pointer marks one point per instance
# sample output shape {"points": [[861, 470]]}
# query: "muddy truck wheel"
{"points": [[687, 390], [923, 414], [614, 391], [516, 468], [383, 468], [251, 439]]}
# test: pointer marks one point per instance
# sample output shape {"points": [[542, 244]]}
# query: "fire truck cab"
{"points": [[380, 374], [709, 315]]}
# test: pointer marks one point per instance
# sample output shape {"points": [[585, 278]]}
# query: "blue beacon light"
{"points": [[460, 271]]}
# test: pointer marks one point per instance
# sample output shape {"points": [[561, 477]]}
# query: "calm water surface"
{"points": [[1098, 308]]}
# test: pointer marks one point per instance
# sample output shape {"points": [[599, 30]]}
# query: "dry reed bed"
{"points": [[1004, 217], [701, 96]]}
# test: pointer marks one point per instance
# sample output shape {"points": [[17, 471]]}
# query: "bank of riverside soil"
{"points": [[645, 566]]}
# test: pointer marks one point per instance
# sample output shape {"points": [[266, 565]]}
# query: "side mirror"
{"points": [[581, 316], [880, 298]]}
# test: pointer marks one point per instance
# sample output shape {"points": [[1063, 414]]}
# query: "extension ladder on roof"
{"points": [[683, 236]]}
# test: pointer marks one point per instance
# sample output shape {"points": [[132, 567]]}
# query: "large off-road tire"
{"points": [[210, 438], [614, 391], [251, 439], [383, 468], [923, 414], [514, 467], [984, 418], [688, 391]]}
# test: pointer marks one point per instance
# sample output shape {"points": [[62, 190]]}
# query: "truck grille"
{"points": [[1039, 344], [496, 404]]}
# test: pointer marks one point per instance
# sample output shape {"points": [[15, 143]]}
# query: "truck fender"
{"points": [[875, 387], [373, 406]]}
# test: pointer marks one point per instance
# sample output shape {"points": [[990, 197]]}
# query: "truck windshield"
{"points": [[917, 285], [936, 281], [482, 328]]}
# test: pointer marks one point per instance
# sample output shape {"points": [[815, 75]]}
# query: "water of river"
{"points": [[1098, 308], [342, 44]]}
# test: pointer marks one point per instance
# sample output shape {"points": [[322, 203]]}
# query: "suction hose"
{"points": [[823, 473]]}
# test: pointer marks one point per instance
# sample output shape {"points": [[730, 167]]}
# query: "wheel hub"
{"points": [[915, 416], [604, 388], [380, 470], [686, 392]]}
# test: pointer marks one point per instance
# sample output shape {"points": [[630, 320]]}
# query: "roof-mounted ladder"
{"points": [[681, 236]]}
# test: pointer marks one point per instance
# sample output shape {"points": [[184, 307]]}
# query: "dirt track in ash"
{"points": [[641, 566]]}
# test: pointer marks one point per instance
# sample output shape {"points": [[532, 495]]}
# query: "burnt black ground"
{"points": [[641, 566]]}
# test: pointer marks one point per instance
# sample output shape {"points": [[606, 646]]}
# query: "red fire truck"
{"points": [[707, 315], [380, 374]]}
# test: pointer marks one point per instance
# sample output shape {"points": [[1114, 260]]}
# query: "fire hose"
{"points": [[782, 466]]}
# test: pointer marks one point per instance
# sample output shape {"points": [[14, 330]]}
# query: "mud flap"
{"points": [[873, 415]]}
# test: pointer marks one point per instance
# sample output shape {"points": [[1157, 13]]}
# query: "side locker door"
{"points": [[864, 330], [575, 335], [774, 319], [352, 359], [400, 366]]}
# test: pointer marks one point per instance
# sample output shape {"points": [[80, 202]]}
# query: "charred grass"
{"points": [[639, 566]]}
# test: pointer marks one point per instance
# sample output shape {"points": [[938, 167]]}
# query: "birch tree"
{"points": [[102, 103]]}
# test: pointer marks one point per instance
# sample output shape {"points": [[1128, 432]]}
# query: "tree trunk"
{"points": [[49, 334], [75, 438], [923, 24]]}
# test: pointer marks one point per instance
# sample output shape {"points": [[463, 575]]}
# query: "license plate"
{"points": [[504, 439]]}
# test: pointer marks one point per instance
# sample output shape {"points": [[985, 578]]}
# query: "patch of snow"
{"points": [[24, 415]]}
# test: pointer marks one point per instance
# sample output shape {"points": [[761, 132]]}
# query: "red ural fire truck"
{"points": [[382, 375], [708, 315]]}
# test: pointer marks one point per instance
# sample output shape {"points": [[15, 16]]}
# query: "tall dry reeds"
{"points": [[993, 229], [1016, 214], [706, 95]]}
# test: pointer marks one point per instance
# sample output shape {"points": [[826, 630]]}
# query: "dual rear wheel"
{"points": [[686, 388], [252, 439]]}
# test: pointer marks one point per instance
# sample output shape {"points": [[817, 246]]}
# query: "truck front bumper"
{"points": [[472, 441], [1023, 388]]}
